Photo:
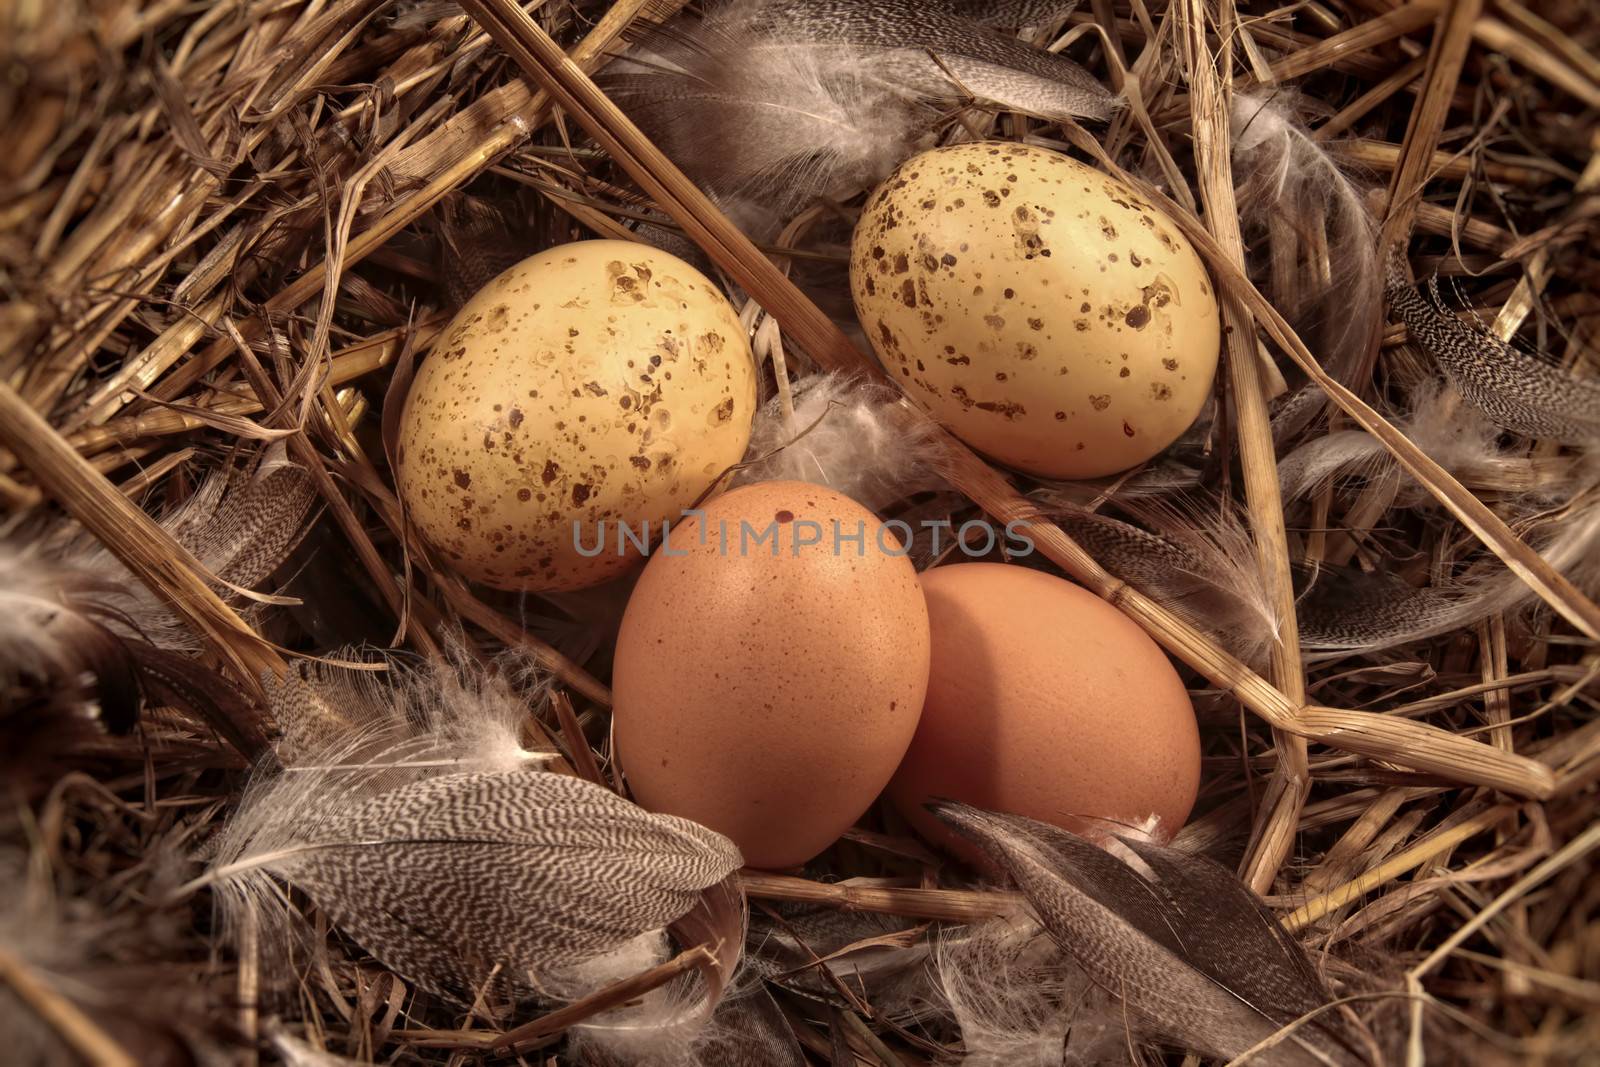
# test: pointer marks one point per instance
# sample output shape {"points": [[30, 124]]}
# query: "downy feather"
{"points": [[1460, 440], [748, 1030], [425, 836], [119, 961], [1514, 390], [765, 125], [689, 1021], [1343, 609], [773, 103], [854, 436], [424, 717], [59, 643], [1198, 561], [296, 1052], [1318, 242], [1017, 998], [1192, 954]]}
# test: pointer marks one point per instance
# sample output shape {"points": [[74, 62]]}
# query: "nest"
{"points": [[228, 230]]}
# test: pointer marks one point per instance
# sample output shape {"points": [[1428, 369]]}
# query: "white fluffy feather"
{"points": [[855, 437], [1319, 260]]}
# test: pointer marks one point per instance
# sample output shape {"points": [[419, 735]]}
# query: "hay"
{"points": [[222, 226]]}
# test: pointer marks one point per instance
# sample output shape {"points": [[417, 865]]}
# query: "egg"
{"points": [[1042, 311], [587, 391], [1045, 701], [770, 669]]}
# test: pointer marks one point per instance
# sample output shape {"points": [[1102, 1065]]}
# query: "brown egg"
{"points": [[595, 386], [770, 669], [1041, 310], [1045, 701]]}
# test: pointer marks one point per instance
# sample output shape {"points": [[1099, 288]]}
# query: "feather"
{"points": [[241, 525], [1321, 460], [81, 639], [71, 665], [1342, 609], [1193, 955], [1200, 564], [497, 879], [417, 14], [121, 964], [686, 1021], [926, 45], [411, 719], [1319, 240], [773, 103], [295, 1052], [751, 1031], [766, 125], [1346, 609], [1011, 14], [1514, 390], [59, 642], [1460, 441], [477, 242], [748, 1030], [1014, 994], [854, 436], [809, 951], [408, 812]]}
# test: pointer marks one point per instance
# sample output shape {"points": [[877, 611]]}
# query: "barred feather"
{"points": [[1348, 610], [406, 809], [468, 881], [82, 639], [1198, 562], [241, 524], [1516, 391]]}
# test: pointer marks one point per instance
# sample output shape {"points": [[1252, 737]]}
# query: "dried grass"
{"points": [[218, 229]]}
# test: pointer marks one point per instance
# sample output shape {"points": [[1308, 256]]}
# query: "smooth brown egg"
{"points": [[770, 669], [596, 386], [1044, 312], [1045, 701]]}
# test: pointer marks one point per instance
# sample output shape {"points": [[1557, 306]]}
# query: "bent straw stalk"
{"points": [[1424, 747]]}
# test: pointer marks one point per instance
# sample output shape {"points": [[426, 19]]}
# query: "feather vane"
{"points": [[408, 810], [1189, 950], [1514, 390], [769, 104]]}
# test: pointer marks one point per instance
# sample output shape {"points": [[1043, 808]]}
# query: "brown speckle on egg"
{"points": [[611, 308], [1001, 309]]}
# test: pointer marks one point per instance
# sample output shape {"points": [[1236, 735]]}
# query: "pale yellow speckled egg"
{"points": [[1042, 311], [594, 386]]}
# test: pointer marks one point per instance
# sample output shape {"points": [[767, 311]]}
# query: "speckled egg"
{"points": [[770, 669], [587, 391], [1045, 701], [1041, 310]]}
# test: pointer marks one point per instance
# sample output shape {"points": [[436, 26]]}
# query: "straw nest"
{"points": [[223, 225]]}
